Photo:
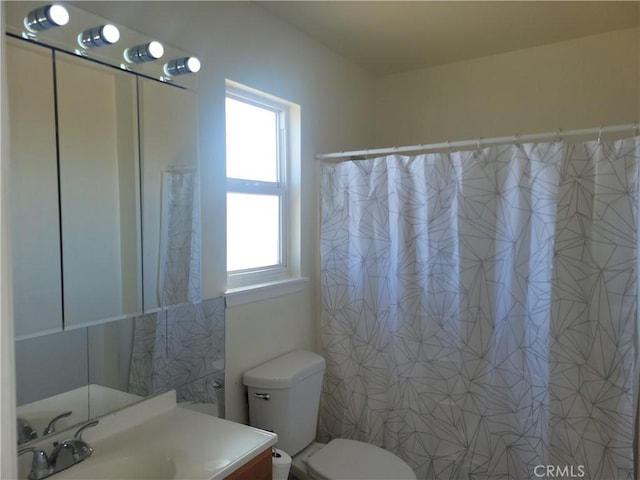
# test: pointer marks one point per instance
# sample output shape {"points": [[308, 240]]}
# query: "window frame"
{"points": [[279, 188]]}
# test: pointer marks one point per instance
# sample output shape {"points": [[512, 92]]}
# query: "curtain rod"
{"points": [[480, 142]]}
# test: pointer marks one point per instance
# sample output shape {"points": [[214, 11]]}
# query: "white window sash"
{"points": [[238, 185]]}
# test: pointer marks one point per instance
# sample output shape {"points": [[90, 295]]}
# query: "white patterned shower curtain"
{"points": [[479, 309]]}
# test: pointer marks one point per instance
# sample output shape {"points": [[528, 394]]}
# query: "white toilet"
{"points": [[284, 396]]}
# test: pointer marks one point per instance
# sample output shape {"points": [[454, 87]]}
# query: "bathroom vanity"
{"points": [[158, 439]]}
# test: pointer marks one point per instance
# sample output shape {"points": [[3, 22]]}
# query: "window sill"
{"points": [[263, 291]]}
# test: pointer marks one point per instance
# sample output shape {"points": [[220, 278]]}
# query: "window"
{"points": [[257, 195]]}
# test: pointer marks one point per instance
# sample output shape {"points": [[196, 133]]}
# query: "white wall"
{"points": [[242, 42], [580, 83]]}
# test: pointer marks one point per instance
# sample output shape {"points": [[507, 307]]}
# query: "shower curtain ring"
{"points": [[479, 143], [600, 135], [558, 135]]}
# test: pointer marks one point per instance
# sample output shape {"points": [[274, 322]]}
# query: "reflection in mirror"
{"points": [[96, 370], [110, 347], [35, 238], [99, 194], [72, 376], [170, 210], [181, 348], [51, 379]]}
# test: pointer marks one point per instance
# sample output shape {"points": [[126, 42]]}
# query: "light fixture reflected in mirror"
{"points": [[46, 17], [182, 66], [147, 52], [99, 36]]}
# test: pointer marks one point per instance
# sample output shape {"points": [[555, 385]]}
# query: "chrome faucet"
{"points": [[64, 455], [77, 448], [40, 466]]}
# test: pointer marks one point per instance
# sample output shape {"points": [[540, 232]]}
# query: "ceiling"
{"points": [[386, 37]]}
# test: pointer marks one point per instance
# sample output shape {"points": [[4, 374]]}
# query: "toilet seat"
{"points": [[343, 459]]}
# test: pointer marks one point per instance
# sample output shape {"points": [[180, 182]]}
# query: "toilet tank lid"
{"points": [[285, 370]]}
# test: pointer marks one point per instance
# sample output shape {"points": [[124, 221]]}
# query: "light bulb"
{"points": [[144, 53], [46, 17], [99, 36], [181, 66]]}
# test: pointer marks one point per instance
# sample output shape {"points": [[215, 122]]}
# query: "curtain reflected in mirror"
{"points": [[179, 266], [181, 348]]}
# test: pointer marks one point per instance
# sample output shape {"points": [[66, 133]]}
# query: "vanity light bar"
{"points": [[46, 17], [182, 66], [147, 52], [99, 36], [56, 15]]}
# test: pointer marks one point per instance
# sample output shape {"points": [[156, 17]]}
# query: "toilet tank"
{"points": [[284, 397]]}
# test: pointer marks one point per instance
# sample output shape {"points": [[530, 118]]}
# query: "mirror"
{"points": [[94, 131], [72, 376], [170, 227], [51, 378], [99, 194], [105, 192], [35, 227], [84, 255], [96, 370]]}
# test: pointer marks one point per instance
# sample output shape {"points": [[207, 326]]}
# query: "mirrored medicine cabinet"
{"points": [[90, 144]]}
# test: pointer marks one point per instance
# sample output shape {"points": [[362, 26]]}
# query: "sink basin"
{"points": [[144, 466]]}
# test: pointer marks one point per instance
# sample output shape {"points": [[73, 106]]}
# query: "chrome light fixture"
{"points": [[147, 52], [182, 66], [46, 17], [99, 36]]}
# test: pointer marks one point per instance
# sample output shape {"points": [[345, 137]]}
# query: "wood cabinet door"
{"points": [[258, 468]]}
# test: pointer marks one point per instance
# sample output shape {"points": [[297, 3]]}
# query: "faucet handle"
{"points": [[78, 434], [40, 466], [81, 448], [78, 449], [52, 424]]}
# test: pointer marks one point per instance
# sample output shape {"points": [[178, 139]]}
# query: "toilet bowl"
{"points": [[284, 397]]}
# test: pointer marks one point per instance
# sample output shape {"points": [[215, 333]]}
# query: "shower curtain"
{"points": [[479, 309]]}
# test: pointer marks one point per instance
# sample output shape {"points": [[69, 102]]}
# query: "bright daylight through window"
{"points": [[256, 188]]}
